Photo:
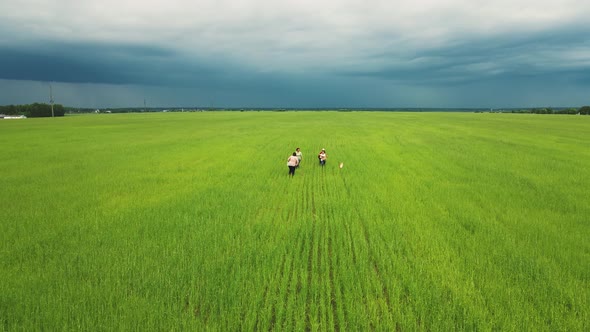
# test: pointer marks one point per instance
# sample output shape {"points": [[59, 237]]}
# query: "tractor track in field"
{"points": [[309, 276], [313, 211], [322, 263], [326, 246], [274, 286], [263, 302], [333, 303], [289, 291], [297, 291], [352, 246], [273, 316], [268, 292], [375, 266]]}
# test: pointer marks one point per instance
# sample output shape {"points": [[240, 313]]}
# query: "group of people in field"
{"points": [[294, 160]]}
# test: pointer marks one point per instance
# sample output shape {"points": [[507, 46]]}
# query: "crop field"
{"points": [[190, 222]]}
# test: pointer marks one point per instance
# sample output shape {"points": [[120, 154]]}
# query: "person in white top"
{"points": [[292, 162], [322, 156], [299, 156]]}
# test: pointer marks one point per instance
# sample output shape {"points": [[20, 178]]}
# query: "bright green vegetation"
{"points": [[438, 221]]}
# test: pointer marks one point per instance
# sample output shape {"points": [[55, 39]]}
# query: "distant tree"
{"points": [[59, 110], [9, 110], [35, 110], [38, 110], [585, 110], [566, 111]]}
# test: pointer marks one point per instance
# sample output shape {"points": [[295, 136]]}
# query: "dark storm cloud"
{"points": [[500, 57], [299, 53], [168, 77], [102, 63]]}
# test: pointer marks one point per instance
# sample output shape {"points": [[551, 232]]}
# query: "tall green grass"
{"points": [[437, 221]]}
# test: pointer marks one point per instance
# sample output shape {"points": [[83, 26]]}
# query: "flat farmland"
{"points": [[189, 221]]}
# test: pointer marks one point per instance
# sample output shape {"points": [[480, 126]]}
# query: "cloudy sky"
{"points": [[296, 53]]}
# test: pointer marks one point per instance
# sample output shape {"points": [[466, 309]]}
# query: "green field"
{"points": [[189, 222]]}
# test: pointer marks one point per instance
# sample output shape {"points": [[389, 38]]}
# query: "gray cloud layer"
{"points": [[451, 53]]}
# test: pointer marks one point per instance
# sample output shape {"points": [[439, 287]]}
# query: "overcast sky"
{"points": [[296, 53]]}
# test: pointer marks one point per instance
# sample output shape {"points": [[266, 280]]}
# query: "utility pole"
{"points": [[51, 99]]}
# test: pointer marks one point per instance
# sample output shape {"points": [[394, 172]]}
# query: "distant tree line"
{"points": [[584, 110], [38, 110], [35, 110]]}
